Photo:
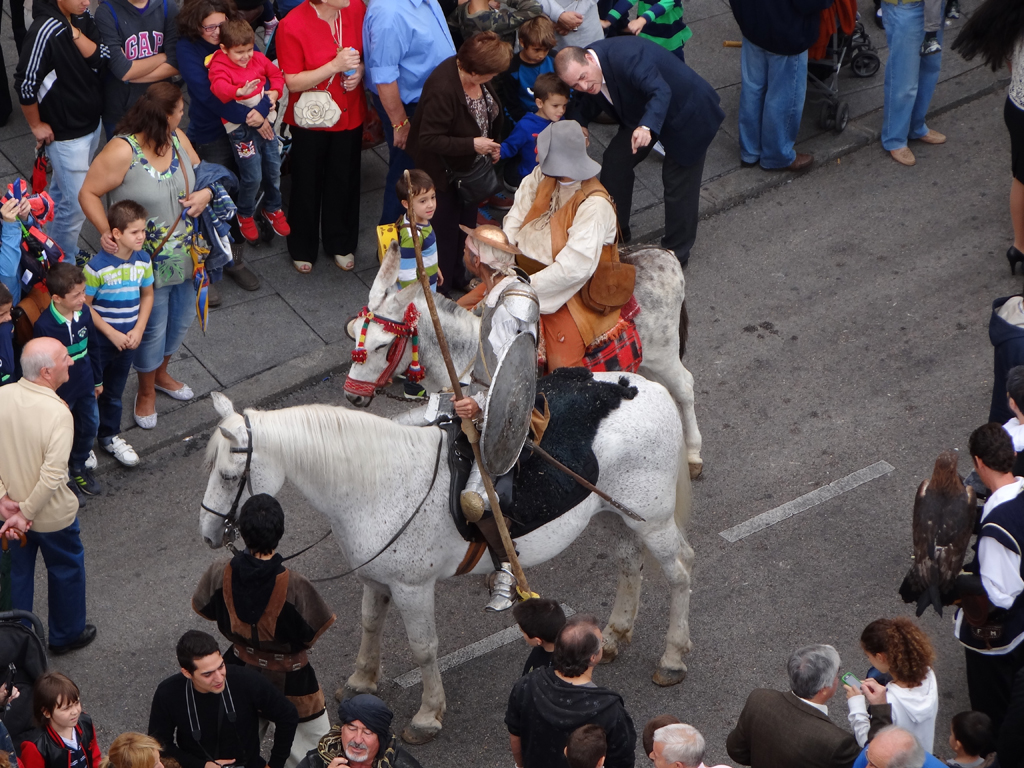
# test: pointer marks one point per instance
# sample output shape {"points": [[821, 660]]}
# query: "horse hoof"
{"points": [[666, 677], [419, 735], [696, 468], [609, 653]]}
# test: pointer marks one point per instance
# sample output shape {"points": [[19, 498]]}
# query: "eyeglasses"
{"points": [[210, 27]]}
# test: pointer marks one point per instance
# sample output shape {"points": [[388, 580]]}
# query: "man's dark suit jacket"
{"points": [[779, 730], [650, 86]]}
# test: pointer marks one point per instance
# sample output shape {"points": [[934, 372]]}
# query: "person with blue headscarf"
{"points": [[362, 739]]}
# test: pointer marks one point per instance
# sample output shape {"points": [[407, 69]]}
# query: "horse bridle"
{"points": [[231, 518], [404, 330]]}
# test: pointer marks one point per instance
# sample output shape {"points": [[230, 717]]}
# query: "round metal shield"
{"points": [[509, 405]]}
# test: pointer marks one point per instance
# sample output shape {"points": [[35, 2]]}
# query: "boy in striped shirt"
{"points": [[660, 22], [119, 288], [424, 203]]}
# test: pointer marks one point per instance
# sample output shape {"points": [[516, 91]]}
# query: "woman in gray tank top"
{"points": [[151, 162]]}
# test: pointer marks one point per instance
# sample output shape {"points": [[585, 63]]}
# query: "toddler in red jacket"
{"points": [[240, 73], [66, 737]]}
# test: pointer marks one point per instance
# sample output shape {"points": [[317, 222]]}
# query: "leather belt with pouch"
{"points": [[277, 662]]}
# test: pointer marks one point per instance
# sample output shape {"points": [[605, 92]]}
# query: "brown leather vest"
{"points": [[589, 322]]}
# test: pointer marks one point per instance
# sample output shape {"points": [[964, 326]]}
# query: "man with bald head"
{"points": [[550, 703], [35, 499], [895, 747]]}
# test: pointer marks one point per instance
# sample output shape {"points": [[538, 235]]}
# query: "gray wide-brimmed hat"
{"points": [[562, 151]]}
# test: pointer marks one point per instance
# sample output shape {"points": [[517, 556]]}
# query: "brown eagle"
{"points": [[945, 512]]}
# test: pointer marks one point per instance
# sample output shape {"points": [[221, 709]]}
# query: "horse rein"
{"points": [[231, 518]]}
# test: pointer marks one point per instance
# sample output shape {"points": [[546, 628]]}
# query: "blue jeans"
{"points": [[259, 161], [771, 104], [910, 78], [174, 309], [115, 367], [70, 161], [399, 162], [87, 420], [64, 557]]}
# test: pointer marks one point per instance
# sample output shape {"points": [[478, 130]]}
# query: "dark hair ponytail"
{"points": [[992, 32]]}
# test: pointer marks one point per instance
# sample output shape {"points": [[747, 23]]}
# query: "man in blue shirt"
{"points": [[894, 746], [403, 41]]}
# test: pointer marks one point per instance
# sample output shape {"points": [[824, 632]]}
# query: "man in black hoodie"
{"points": [[272, 616], [776, 37], [58, 81], [548, 704]]}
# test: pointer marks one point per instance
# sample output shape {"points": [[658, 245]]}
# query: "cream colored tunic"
{"points": [[591, 230]]}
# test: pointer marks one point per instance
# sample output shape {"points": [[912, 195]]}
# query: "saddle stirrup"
{"points": [[503, 591]]}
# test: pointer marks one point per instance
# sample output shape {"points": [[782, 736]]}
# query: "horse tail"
{"points": [[684, 329], [684, 498]]}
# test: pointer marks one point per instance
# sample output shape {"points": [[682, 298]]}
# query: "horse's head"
{"points": [[236, 473], [383, 332]]}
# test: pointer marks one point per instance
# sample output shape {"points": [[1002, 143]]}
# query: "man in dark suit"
{"points": [[782, 730], [653, 95]]}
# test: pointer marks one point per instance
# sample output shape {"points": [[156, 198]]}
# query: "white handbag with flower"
{"points": [[317, 109]]}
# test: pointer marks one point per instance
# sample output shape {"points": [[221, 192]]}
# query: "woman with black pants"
{"points": [[319, 47], [459, 117]]}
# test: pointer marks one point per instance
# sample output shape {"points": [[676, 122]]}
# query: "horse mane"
{"points": [[331, 443]]}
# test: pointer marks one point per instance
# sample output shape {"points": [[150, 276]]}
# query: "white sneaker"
{"points": [[121, 451], [659, 148], [91, 462]]}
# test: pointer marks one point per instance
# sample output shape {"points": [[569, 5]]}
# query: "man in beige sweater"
{"points": [[35, 500]]}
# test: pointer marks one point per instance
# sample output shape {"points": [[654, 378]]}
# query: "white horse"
{"points": [[662, 325], [367, 474]]}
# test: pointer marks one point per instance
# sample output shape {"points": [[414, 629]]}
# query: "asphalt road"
{"points": [[837, 321]]}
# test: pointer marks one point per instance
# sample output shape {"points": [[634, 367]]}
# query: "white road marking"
{"points": [[470, 652], [808, 500]]}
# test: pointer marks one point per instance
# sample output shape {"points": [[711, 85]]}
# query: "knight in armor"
{"points": [[272, 616], [508, 307], [564, 222]]}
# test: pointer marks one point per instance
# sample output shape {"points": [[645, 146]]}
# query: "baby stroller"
{"points": [[23, 659], [841, 41]]}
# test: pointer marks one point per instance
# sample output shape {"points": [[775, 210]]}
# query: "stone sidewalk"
{"points": [[260, 345]]}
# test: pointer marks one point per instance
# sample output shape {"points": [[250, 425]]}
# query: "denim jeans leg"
{"points": [[904, 31], [23, 572], [181, 311], [783, 108], [150, 353], [64, 556], [754, 76], [70, 161], [247, 155], [398, 162], [928, 79], [87, 421], [116, 366], [270, 156]]}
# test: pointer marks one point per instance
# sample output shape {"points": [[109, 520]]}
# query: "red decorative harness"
{"points": [[402, 331]]}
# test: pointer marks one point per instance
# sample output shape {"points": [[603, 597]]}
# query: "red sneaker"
{"points": [[249, 230], [278, 222]]}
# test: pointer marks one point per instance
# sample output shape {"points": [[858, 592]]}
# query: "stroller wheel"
{"points": [[842, 116], [826, 116], [865, 64]]}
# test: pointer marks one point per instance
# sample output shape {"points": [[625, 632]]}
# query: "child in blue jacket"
{"points": [[551, 96]]}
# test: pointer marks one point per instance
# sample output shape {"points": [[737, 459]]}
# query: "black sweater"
{"points": [[53, 73], [783, 27], [543, 710], [253, 697]]}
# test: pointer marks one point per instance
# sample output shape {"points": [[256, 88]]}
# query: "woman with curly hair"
{"points": [[996, 33], [899, 648]]}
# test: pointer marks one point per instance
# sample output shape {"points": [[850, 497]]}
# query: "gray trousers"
{"points": [[933, 13]]}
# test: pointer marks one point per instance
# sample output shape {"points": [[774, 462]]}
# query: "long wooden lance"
{"points": [[468, 427]]}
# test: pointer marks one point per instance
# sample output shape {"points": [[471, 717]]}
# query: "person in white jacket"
{"points": [[899, 648]]}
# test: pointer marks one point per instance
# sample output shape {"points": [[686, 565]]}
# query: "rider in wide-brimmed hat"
{"points": [[564, 222]]}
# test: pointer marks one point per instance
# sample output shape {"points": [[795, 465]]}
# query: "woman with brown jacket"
{"points": [[459, 117]]}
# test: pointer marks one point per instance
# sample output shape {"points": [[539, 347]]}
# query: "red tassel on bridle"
{"points": [[402, 331]]}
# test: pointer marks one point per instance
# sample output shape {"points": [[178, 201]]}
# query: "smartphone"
{"points": [[7, 683], [851, 680]]}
